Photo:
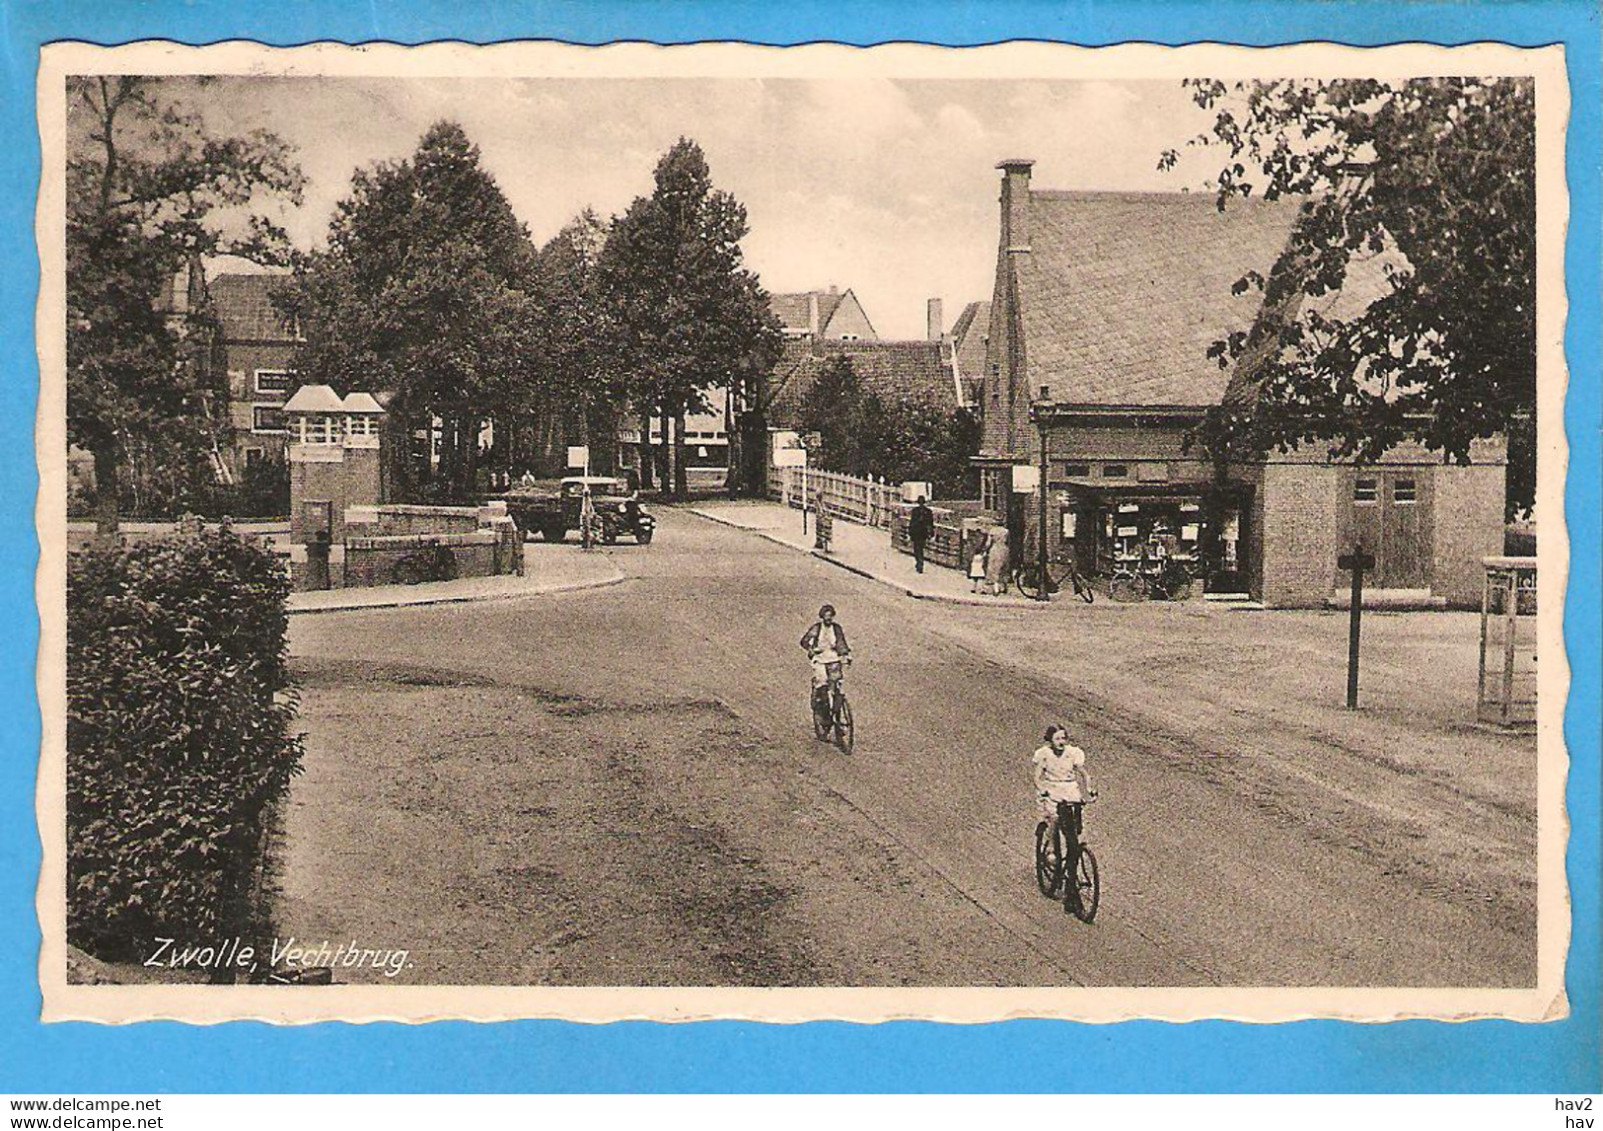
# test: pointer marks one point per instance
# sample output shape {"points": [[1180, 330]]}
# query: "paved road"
{"points": [[1202, 885]]}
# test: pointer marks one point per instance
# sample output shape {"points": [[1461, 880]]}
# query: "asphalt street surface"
{"points": [[622, 786]]}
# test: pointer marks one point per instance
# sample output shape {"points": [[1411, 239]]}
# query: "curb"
{"points": [[462, 599], [937, 598]]}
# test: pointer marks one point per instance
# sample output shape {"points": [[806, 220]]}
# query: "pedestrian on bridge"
{"points": [[920, 525]]}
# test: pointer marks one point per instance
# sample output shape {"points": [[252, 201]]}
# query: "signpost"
{"points": [[1357, 562], [810, 443]]}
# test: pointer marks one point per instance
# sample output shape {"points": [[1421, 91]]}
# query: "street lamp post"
{"points": [[1041, 489]]}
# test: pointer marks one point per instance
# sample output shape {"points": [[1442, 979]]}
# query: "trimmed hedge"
{"points": [[179, 708]]}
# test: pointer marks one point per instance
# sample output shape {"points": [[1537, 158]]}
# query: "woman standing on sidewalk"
{"points": [[996, 560]]}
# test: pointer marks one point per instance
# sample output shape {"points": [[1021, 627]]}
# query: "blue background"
{"points": [[550, 1056]]}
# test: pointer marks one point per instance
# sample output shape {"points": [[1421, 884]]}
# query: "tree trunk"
{"points": [[108, 486], [681, 474], [734, 447], [754, 450], [660, 455], [670, 466], [648, 471], [474, 425]]}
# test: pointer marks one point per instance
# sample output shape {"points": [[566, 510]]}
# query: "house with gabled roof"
{"points": [[969, 335], [896, 370], [256, 347], [832, 314], [1103, 308]]}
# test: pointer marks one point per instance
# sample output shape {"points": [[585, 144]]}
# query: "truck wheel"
{"points": [[553, 533]]}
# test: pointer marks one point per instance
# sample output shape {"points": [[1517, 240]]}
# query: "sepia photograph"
{"points": [[547, 531]]}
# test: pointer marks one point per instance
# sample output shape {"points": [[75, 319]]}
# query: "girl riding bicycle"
{"points": [[1060, 776]]}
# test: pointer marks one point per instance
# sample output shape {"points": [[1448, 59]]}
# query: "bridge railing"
{"points": [[868, 502]]}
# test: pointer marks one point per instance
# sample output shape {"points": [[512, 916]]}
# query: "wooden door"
{"points": [[1388, 513], [1405, 514]]}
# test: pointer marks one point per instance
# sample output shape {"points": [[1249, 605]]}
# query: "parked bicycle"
{"points": [[1149, 579], [832, 712], [1065, 865], [1061, 573], [1127, 582]]}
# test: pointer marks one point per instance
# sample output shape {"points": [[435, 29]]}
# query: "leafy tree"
{"points": [[151, 189], [684, 313], [832, 408], [422, 292], [924, 440], [1429, 184], [576, 394], [897, 438]]}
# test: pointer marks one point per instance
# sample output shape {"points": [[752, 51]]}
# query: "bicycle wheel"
{"points": [[1083, 895], [1124, 590], [1028, 579], [1082, 586], [845, 734], [822, 723], [1048, 861]]}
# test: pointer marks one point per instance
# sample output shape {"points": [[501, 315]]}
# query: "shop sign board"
{"points": [[1025, 477]]}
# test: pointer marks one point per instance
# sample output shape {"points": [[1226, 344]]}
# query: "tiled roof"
{"points": [[1122, 293], [968, 338], [894, 370], [1367, 279], [791, 309], [315, 398], [245, 309]]}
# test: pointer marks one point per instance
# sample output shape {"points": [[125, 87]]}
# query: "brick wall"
{"points": [[341, 477], [1469, 526], [1295, 514], [242, 362], [372, 561], [394, 520], [995, 398]]}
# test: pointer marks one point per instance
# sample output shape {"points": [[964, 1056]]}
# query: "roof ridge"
{"points": [[1155, 196]]}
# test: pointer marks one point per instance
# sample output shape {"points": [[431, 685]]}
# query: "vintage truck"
{"points": [[553, 511]]}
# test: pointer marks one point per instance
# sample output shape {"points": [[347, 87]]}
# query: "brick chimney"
{"points": [[934, 325], [812, 313], [1016, 203]]}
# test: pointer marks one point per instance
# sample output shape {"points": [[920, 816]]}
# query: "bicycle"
{"points": [[1127, 582], [1059, 570], [832, 712], [1080, 898], [1169, 581]]}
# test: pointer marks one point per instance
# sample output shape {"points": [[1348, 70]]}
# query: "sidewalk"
{"points": [[546, 569], [862, 550]]}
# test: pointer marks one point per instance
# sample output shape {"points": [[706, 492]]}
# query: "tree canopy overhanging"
{"points": [[1425, 191], [151, 188]]}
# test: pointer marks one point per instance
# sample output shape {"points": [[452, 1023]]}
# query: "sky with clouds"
{"points": [[888, 187]]}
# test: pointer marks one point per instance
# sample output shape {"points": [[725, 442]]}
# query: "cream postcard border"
{"points": [[210, 1004]]}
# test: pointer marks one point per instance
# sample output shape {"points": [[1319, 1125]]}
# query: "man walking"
{"points": [[920, 525]]}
